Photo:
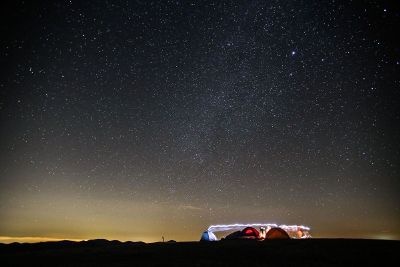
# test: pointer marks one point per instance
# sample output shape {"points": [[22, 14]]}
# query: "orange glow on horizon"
{"points": [[32, 239]]}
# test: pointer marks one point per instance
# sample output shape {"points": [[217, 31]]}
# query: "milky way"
{"points": [[133, 120]]}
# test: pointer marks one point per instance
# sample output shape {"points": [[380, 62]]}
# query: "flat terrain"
{"points": [[311, 252]]}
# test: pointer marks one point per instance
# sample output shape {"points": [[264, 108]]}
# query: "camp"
{"points": [[266, 231]]}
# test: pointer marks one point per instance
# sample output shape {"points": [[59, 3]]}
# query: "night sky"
{"points": [[134, 120]]}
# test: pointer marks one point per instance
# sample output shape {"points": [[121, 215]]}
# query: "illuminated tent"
{"points": [[277, 233], [208, 236], [246, 233]]}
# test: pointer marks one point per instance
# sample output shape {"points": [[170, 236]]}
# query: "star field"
{"points": [[133, 120]]}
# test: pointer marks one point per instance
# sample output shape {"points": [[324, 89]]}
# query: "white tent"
{"points": [[208, 236]]}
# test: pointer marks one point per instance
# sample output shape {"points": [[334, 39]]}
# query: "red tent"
{"points": [[246, 233], [250, 232]]}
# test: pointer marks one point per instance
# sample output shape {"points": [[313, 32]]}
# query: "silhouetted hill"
{"points": [[100, 242], [100, 252]]}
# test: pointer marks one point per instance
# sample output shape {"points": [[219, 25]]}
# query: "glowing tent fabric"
{"points": [[276, 233], [246, 233], [208, 236]]}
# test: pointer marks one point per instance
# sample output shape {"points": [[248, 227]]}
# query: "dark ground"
{"points": [[311, 252]]}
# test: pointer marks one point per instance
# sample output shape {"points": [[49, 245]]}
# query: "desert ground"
{"points": [[311, 252]]}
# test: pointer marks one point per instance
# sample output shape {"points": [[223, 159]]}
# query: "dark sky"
{"points": [[135, 119]]}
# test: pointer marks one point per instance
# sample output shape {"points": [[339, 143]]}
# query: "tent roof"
{"points": [[277, 233], [250, 231]]}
